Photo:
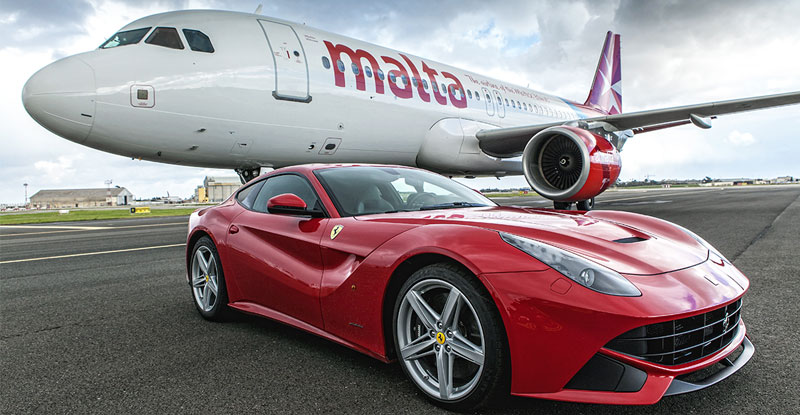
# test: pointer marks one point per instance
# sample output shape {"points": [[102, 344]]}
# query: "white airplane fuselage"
{"points": [[254, 102]]}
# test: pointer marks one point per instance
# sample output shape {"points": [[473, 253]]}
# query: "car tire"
{"points": [[471, 331], [207, 281]]}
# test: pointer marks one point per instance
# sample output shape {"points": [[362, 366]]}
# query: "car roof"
{"points": [[320, 166]]}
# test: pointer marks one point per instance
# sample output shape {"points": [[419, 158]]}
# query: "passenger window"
{"points": [[513, 105], [425, 84], [524, 106], [477, 96], [392, 77], [506, 101], [355, 68], [469, 93], [326, 63], [444, 91], [128, 37], [340, 65], [519, 105], [404, 79], [166, 37], [368, 71], [414, 82], [198, 41], [488, 97], [380, 74], [285, 183]]}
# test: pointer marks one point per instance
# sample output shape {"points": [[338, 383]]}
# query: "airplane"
{"points": [[247, 92]]}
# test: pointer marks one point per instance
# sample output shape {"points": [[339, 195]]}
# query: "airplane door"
{"points": [[501, 108], [488, 100], [291, 68]]}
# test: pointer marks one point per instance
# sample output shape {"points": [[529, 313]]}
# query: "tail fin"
{"points": [[606, 92]]}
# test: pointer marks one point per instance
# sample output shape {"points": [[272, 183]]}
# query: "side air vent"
{"points": [[630, 240]]}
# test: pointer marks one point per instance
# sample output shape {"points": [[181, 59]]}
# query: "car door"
{"points": [[276, 258]]}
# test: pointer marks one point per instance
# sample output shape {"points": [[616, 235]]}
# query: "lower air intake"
{"points": [[682, 341]]}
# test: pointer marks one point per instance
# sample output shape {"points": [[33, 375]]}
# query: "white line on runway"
{"points": [[84, 228], [91, 253], [53, 227]]}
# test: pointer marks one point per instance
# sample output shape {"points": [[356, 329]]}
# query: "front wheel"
{"points": [[450, 339], [207, 281]]}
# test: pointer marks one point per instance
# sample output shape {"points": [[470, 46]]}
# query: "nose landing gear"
{"points": [[245, 175]]}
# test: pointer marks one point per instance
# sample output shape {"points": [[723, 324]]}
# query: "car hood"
{"points": [[625, 242]]}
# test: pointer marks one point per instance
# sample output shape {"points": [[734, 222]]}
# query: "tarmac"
{"points": [[96, 317]]}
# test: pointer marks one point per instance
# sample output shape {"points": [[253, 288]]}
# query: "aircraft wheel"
{"points": [[587, 204]]}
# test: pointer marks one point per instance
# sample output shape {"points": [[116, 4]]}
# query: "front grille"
{"points": [[681, 341]]}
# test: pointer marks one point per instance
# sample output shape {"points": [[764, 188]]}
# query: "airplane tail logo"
{"points": [[606, 92]]}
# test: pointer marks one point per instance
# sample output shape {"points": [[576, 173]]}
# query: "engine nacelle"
{"points": [[568, 164]]}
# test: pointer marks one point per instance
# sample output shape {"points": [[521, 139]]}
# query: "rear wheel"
{"points": [[207, 281], [450, 339]]}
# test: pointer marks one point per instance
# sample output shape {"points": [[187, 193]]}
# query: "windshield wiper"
{"points": [[452, 205]]}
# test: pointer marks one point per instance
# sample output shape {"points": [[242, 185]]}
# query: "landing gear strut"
{"points": [[562, 205], [245, 175]]}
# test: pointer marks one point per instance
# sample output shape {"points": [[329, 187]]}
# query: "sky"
{"points": [[674, 52]]}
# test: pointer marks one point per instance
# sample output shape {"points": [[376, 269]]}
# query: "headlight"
{"points": [[587, 273]]}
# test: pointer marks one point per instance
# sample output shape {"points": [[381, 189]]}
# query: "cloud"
{"points": [[740, 139], [675, 52]]}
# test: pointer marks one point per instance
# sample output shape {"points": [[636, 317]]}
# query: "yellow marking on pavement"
{"points": [[115, 251]]}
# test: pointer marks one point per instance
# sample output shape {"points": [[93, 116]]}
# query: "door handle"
{"points": [[233, 229]]}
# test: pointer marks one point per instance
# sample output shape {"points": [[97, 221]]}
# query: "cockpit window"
{"points": [[127, 37], [165, 36], [198, 41]]}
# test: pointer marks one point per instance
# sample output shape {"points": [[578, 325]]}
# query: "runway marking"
{"points": [[88, 228], [115, 251], [83, 228]]}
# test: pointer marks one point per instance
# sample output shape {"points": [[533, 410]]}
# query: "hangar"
{"points": [[216, 189], [78, 198]]}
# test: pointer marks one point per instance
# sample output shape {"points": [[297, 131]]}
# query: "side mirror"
{"points": [[290, 204]]}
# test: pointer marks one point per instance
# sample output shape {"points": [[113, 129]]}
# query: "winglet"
{"points": [[258, 9], [606, 92]]}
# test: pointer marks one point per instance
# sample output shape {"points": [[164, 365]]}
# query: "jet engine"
{"points": [[570, 164]]}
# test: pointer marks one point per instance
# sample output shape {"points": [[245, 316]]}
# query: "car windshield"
{"points": [[127, 37], [363, 190]]}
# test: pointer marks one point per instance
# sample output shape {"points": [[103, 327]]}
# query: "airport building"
{"points": [[216, 189], [80, 198]]}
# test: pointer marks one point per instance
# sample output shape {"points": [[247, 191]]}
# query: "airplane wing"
{"points": [[508, 142]]}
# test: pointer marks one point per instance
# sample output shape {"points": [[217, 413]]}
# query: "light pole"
{"points": [[26, 194]]}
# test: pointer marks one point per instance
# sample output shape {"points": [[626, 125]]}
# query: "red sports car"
{"points": [[475, 300]]}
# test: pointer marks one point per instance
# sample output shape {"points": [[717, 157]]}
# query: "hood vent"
{"points": [[630, 240]]}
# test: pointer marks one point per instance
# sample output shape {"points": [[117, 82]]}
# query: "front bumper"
{"points": [[555, 328]]}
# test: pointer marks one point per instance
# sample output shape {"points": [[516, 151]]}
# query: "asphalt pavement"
{"points": [[96, 317]]}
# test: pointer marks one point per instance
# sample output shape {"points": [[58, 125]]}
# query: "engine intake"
{"points": [[568, 164]]}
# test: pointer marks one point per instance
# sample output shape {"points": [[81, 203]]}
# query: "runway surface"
{"points": [[97, 317]]}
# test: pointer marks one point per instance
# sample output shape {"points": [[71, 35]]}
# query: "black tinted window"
{"points": [[198, 41], [286, 183], [247, 195], [128, 37], [165, 36]]}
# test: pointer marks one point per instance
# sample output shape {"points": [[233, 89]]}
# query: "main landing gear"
{"points": [[245, 175], [587, 204]]}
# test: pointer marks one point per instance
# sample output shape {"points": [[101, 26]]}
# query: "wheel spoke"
{"points": [[198, 281], [422, 346], [444, 368], [422, 309], [212, 285], [450, 307], [206, 295], [466, 350], [201, 261]]}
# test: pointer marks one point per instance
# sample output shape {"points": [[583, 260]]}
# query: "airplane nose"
{"points": [[61, 97]]}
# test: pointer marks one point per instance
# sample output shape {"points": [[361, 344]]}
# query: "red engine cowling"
{"points": [[568, 164]]}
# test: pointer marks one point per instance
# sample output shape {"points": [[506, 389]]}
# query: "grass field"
{"points": [[76, 215]]}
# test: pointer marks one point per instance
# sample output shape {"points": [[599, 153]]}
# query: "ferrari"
{"points": [[474, 300]]}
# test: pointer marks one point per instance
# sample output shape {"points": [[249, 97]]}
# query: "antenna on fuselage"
{"points": [[258, 9]]}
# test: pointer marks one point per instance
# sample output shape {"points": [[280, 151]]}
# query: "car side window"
{"points": [[285, 183], [247, 196]]}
